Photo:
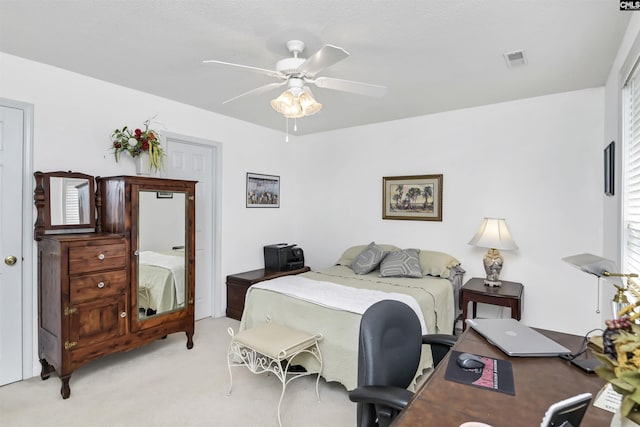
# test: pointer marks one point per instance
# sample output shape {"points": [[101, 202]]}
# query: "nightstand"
{"points": [[507, 295], [238, 284]]}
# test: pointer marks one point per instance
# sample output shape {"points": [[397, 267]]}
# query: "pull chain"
{"points": [[286, 138], [598, 301]]}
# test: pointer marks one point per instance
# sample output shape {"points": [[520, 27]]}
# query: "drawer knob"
{"points": [[101, 256], [101, 285], [123, 314]]}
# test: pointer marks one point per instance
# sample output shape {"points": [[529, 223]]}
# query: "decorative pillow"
{"points": [[433, 263], [368, 259], [401, 263], [351, 253]]}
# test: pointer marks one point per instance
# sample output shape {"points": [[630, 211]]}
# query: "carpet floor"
{"points": [[164, 384]]}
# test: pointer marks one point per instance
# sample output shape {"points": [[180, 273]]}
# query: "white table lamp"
{"points": [[494, 235]]}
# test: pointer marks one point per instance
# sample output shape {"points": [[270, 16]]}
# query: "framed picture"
{"points": [[164, 194], [263, 191], [609, 168], [417, 197]]}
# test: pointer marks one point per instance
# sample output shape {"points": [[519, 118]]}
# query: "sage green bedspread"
{"points": [[340, 329]]}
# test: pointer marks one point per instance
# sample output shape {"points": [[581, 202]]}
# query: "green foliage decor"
{"points": [[621, 364]]}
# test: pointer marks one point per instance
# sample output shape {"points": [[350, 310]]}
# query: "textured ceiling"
{"points": [[433, 55]]}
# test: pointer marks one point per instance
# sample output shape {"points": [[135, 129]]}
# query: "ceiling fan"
{"points": [[296, 73]]}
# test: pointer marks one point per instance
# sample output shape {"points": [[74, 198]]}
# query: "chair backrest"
{"points": [[388, 352], [390, 345]]}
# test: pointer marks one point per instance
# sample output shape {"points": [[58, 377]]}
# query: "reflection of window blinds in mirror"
{"points": [[71, 203]]}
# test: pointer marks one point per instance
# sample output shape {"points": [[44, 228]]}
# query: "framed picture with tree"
{"points": [[415, 197]]}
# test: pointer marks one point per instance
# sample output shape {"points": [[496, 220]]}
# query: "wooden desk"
{"points": [[539, 382]]}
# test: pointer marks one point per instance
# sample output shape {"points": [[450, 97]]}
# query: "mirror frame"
{"points": [[41, 198]]}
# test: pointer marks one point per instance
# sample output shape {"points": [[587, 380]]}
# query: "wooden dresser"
{"points": [[82, 300], [127, 281]]}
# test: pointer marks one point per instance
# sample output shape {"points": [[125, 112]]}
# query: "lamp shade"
{"points": [[287, 104], [493, 234], [595, 265], [308, 103], [296, 102]]}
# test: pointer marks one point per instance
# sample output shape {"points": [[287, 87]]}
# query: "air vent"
{"points": [[515, 58]]}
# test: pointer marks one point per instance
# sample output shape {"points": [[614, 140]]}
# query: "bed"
{"points": [[433, 293], [161, 284]]}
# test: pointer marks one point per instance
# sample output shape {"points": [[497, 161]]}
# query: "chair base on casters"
{"points": [[272, 348]]}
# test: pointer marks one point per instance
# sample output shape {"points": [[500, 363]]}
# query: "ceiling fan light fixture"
{"points": [[286, 104], [308, 103], [296, 102]]}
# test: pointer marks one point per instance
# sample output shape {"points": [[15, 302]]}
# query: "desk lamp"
{"points": [[493, 234], [602, 267]]}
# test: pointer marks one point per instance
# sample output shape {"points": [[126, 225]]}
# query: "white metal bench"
{"points": [[272, 348]]}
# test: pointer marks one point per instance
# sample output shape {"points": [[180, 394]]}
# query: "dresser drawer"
{"points": [[88, 259], [99, 285]]}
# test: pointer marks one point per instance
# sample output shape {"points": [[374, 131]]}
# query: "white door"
{"points": [[192, 161], [11, 145]]}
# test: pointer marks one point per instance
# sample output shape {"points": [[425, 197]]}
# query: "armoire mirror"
{"points": [[161, 243], [65, 202]]}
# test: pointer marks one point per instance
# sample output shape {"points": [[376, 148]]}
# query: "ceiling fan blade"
{"points": [[359, 88], [258, 90], [271, 73], [325, 57]]}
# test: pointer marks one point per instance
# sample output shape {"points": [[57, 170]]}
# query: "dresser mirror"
{"points": [[65, 203], [161, 242]]}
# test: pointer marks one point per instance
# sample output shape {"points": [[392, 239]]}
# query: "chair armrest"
{"points": [[440, 339], [394, 397], [440, 345]]}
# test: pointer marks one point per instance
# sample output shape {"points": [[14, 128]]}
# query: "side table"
{"points": [[510, 294], [239, 283]]}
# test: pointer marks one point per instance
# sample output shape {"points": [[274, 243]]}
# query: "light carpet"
{"points": [[164, 384]]}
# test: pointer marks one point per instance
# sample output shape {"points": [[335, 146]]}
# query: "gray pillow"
{"points": [[369, 259], [402, 263], [351, 253]]}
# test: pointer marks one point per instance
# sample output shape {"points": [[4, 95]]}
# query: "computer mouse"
{"points": [[470, 361]]}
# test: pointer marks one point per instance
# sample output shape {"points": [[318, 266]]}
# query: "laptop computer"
{"points": [[516, 339]]}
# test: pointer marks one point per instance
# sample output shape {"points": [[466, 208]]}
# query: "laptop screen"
{"points": [[517, 339]]}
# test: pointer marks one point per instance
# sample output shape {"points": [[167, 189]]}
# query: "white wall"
{"points": [[74, 116], [536, 162]]}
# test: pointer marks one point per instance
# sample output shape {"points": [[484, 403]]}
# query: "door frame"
{"points": [[30, 365], [218, 306]]}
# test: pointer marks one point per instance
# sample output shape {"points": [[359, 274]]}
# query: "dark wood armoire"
{"points": [[116, 278]]}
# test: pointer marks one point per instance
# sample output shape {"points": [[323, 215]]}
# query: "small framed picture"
{"points": [[164, 195], [609, 168], [263, 191], [416, 197]]}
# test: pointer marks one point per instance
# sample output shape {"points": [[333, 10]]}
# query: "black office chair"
{"points": [[389, 352]]}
